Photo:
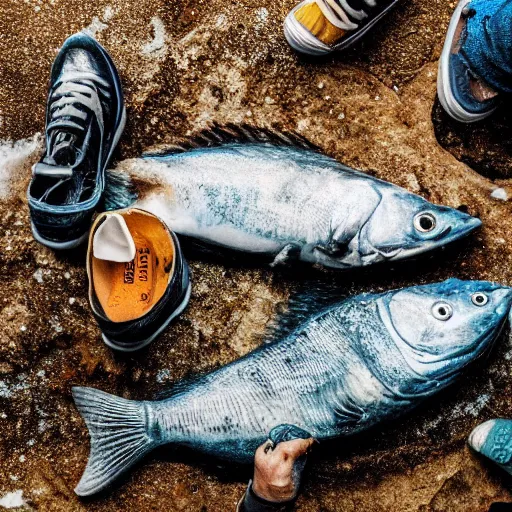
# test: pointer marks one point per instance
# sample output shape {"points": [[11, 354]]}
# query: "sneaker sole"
{"points": [[444, 88], [302, 41], [58, 246], [121, 348]]}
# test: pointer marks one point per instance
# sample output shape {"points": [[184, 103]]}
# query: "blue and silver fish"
{"points": [[276, 195], [493, 439], [369, 358]]}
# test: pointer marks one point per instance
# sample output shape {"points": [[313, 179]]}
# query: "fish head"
{"points": [[440, 328], [404, 225]]}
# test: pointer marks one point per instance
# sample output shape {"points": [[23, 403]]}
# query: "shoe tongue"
{"points": [[63, 150], [113, 240]]}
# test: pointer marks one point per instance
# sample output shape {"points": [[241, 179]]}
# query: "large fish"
{"points": [[369, 358], [276, 195]]}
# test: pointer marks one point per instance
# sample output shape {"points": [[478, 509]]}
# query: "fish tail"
{"points": [[119, 191], [119, 437]]}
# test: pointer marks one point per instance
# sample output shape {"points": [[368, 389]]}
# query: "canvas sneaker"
{"points": [[85, 118], [318, 27], [138, 277]]}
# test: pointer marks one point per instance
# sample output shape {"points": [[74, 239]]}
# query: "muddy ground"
{"points": [[185, 64]]}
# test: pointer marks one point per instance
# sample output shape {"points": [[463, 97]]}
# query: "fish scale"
{"points": [[288, 209]]}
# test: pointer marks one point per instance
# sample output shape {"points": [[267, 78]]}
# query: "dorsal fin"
{"points": [[217, 135], [311, 298]]}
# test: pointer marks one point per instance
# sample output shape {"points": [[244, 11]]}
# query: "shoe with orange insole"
{"points": [[138, 278], [318, 27]]}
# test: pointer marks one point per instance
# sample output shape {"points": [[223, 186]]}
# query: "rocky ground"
{"points": [[185, 64]]}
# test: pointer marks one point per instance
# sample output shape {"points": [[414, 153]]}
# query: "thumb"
{"points": [[296, 448]]}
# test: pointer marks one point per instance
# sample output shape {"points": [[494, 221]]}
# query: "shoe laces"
{"points": [[339, 13], [74, 98]]}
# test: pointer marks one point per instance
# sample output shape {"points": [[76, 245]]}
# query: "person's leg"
{"points": [[488, 43], [476, 63]]}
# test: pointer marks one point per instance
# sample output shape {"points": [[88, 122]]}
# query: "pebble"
{"points": [[38, 275], [499, 193]]}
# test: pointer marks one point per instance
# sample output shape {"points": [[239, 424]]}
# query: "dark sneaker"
{"points": [[138, 278], [475, 68], [85, 118], [317, 27]]}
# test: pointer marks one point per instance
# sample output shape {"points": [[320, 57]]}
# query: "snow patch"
{"points": [[163, 375], [261, 17], [38, 275], [109, 12], [55, 324], [14, 157], [7, 390], [156, 49], [13, 500], [98, 25], [302, 125], [221, 21], [95, 27], [478, 405]]}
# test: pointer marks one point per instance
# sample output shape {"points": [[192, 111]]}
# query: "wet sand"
{"points": [[185, 64]]}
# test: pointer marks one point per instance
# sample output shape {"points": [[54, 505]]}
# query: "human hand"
{"points": [[278, 469]]}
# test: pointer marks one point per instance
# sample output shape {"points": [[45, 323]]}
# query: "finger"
{"points": [[295, 449], [311, 442], [260, 454]]}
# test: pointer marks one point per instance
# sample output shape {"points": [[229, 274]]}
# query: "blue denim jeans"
{"points": [[487, 42]]}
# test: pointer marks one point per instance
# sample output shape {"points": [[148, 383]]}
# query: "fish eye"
{"points": [[479, 299], [425, 222], [442, 311]]}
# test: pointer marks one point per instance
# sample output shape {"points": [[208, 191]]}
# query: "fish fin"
{"points": [[337, 249], [119, 437], [288, 252], [348, 411], [309, 299], [119, 191], [218, 135]]}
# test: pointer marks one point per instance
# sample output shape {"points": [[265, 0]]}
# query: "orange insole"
{"points": [[314, 20], [127, 291]]}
